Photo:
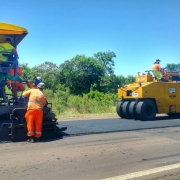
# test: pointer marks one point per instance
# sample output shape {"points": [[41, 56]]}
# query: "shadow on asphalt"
{"points": [[56, 137], [157, 118], [47, 137], [162, 118]]}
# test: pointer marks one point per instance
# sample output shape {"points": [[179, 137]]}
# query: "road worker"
{"points": [[156, 66], [34, 115], [160, 74], [36, 82]]}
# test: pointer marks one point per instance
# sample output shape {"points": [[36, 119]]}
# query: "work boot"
{"points": [[31, 140]]}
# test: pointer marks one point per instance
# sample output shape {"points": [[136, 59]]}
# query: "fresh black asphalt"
{"points": [[95, 126]]}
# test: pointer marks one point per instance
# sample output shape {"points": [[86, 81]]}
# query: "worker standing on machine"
{"points": [[159, 73], [156, 66], [34, 114]]}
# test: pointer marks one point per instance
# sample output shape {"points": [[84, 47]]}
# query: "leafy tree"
{"points": [[80, 73], [129, 79], [27, 72], [118, 81], [108, 84], [49, 72], [121, 80], [173, 67], [106, 59]]}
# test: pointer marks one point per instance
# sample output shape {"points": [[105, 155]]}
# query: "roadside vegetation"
{"points": [[82, 85]]}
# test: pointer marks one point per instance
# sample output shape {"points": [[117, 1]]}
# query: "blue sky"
{"points": [[138, 31]]}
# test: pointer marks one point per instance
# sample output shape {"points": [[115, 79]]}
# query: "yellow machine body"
{"points": [[164, 96]]}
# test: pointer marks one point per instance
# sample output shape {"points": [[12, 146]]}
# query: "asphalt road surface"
{"points": [[96, 126], [98, 149]]}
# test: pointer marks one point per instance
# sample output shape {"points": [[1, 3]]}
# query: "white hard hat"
{"points": [[41, 85]]}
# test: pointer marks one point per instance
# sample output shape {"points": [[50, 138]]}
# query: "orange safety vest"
{"points": [[156, 67], [37, 98]]}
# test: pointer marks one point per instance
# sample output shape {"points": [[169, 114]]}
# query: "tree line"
{"points": [[80, 75]]}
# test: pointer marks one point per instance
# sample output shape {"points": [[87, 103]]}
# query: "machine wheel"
{"points": [[125, 109], [132, 110], [146, 110], [119, 109]]}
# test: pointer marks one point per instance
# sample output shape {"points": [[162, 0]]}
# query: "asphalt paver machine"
{"points": [[13, 107]]}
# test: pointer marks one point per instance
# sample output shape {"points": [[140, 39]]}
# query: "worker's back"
{"points": [[37, 98]]}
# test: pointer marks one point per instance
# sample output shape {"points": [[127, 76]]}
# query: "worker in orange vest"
{"points": [[34, 114], [156, 66], [162, 73]]}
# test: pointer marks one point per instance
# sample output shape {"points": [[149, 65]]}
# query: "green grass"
{"points": [[72, 114]]}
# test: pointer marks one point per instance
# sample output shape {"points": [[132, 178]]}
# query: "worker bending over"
{"points": [[34, 114]]}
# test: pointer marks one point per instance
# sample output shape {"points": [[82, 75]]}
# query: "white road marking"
{"points": [[144, 173]]}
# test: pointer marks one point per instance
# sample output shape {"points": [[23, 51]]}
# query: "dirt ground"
{"points": [[91, 116], [86, 116]]}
